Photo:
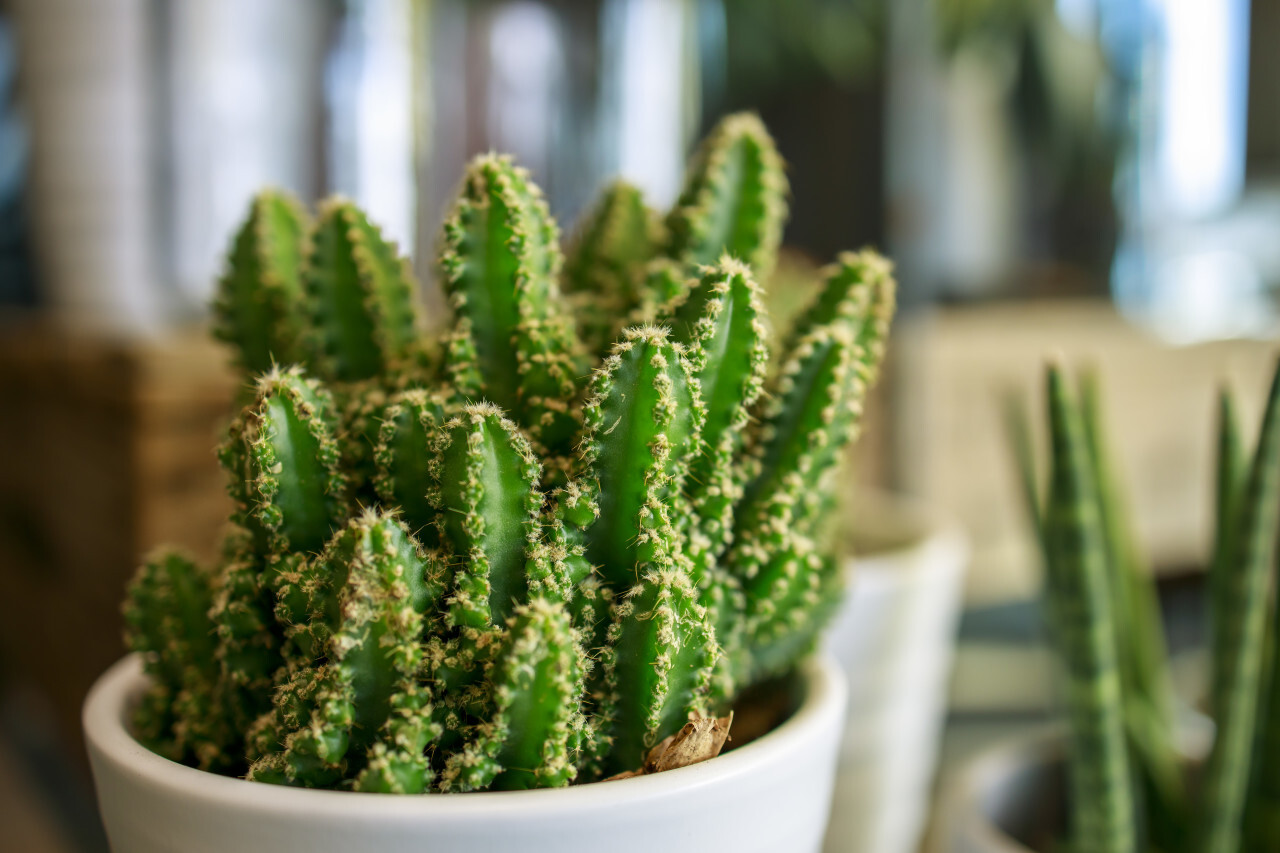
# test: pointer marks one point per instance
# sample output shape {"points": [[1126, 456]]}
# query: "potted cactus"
{"points": [[553, 545], [1128, 778]]}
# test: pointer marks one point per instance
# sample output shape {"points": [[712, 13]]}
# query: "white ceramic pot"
{"points": [[771, 795], [894, 637]]}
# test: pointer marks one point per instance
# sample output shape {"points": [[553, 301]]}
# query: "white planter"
{"points": [[770, 795], [894, 638]]}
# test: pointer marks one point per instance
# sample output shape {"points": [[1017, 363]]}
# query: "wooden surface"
{"points": [[106, 451]]}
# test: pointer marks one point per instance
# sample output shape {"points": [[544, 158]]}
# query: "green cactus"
{"points": [[513, 342], [259, 305], [604, 271], [406, 430], [472, 562], [658, 663], [532, 736], [355, 682], [489, 506], [734, 199], [360, 296], [641, 429], [293, 508], [167, 619]]}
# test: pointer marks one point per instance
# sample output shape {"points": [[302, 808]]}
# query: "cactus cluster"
{"points": [[524, 552], [1129, 784]]}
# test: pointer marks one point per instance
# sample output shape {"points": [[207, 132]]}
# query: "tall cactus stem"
{"points": [[283, 458], [489, 508], [513, 342], [604, 268], [531, 738], [642, 426], [657, 667], [259, 306], [734, 199], [361, 294]]}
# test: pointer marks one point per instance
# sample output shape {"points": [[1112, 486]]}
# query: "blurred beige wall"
{"points": [[949, 443]]}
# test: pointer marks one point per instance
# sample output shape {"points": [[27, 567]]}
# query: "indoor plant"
{"points": [[1129, 784], [453, 567]]}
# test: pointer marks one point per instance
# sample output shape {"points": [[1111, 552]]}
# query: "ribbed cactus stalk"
{"points": [[604, 271], [720, 322], [360, 294], [734, 199], [167, 619], [658, 663], [489, 509], [293, 508], [259, 306], [402, 457], [531, 738], [475, 563], [513, 342], [642, 426], [356, 683]]}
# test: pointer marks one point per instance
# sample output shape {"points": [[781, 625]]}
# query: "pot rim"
{"points": [[966, 804], [106, 729]]}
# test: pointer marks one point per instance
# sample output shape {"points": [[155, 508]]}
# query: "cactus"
{"points": [[513, 342], [1238, 683], [360, 297], [605, 268], [734, 199], [258, 308], [473, 562], [1128, 784]]}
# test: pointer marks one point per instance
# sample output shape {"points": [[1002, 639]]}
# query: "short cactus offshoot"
{"points": [[525, 554]]}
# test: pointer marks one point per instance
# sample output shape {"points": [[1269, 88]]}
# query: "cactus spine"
{"points": [[497, 567]]}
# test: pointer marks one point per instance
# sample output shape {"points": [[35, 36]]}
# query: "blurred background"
{"points": [[1099, 178]]}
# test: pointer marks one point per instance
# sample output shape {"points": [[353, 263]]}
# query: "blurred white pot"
{"points": [[1006, 799], [1011, 798], [770, 795], [894, 637]]}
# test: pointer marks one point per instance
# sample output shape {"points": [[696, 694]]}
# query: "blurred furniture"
{"points": [[107, 451]]}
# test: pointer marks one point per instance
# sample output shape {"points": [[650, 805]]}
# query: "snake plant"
{"points": [[1128, 784]]}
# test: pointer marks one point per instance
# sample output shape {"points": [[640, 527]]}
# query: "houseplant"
{"points": [[455, 567], [1129, 783]]}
